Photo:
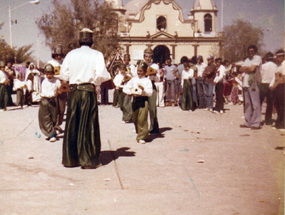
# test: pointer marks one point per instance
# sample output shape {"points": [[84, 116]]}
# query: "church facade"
{"points": [[160, 24]]}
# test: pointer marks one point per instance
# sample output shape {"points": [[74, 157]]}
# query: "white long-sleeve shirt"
{"points": [[3, 77], [220, 74], [50, 87], [84, 65], [135, 82], [280, 69], [200, 69], [186, 75], [18, 84], [118, 81]]}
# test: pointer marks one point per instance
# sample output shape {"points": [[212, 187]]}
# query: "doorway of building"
{"points": [[160, 54]]}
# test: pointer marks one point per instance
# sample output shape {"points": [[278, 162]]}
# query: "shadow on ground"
{"points": [[107, 157]]}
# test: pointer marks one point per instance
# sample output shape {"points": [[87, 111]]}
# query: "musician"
{"points": [[153, 75], [123, 99], [61, 99]]}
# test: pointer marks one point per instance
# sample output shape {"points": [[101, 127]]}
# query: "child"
{"points": [[140, 88], [4, 81], [187, 88], [19, 85], [237, 90], [124, 100], [48, 110]]}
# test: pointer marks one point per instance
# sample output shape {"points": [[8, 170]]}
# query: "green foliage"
{"points": [[62, 24], [15, 55], [238, 36]]}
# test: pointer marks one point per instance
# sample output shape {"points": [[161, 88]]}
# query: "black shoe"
{"points": [[255, 128]]}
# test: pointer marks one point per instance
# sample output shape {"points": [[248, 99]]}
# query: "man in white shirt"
{"points": [[277, 87], [83, 68], [219, 83], [251, 82], [267, 73], [200, 81], [3, 89]]}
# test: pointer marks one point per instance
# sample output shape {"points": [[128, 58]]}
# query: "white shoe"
{"points": [[221, 111], [1, 110], [123, 122], [141, 141], [281, 129], [53, 139], [215, 111], [211, 110]]}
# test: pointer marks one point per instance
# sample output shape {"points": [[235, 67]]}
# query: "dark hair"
{"points": [[269, 56], [194, 59], [253, 47], [143, 65], [225, 61], [280, 51], [85, 43], [218, 59], [184, 59], [186, 64]]}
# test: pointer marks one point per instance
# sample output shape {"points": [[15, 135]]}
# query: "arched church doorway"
{"points": [[160, 54]]}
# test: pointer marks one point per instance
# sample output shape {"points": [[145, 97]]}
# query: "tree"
{"points": [[15, 55], [63, 23], [238, 36]]}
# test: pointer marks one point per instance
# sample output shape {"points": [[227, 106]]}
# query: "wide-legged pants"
{"points": [[81, 142], [3, 96], [47, 116], [140, 117], [154, 128], [187, 101]]}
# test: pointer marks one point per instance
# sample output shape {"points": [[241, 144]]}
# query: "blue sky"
{"points": [[267, 14]]}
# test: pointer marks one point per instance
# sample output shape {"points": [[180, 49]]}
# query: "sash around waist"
{"points": [[83, 87]]}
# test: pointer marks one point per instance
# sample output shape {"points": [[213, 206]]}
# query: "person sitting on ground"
{"points": [[19, 87], [48, 109], [140, 88]]}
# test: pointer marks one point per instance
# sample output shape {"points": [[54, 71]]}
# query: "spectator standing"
{"points": [[251, 82], [200, 81], [11, 74], [170, 82], [219, 86], [277, 86], [267, 73], [4, 81], [209, 74], [178, 74], [187, 75]]}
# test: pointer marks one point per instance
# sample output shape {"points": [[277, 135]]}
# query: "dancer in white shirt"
{"points": [[84, 68]]}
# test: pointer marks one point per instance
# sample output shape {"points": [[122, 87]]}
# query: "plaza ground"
{"points": [[201, 164]]}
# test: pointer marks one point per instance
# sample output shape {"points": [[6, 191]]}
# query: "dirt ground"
{"points": [[202, 164]]}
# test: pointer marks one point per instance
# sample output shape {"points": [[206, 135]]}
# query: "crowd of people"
{"points": [[194, 84], [74, 80]]}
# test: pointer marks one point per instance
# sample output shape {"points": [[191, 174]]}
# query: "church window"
{"points": [[208, 23], [161, 23]]}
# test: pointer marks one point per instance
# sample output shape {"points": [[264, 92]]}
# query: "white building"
{"points": [[160, 24]]}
